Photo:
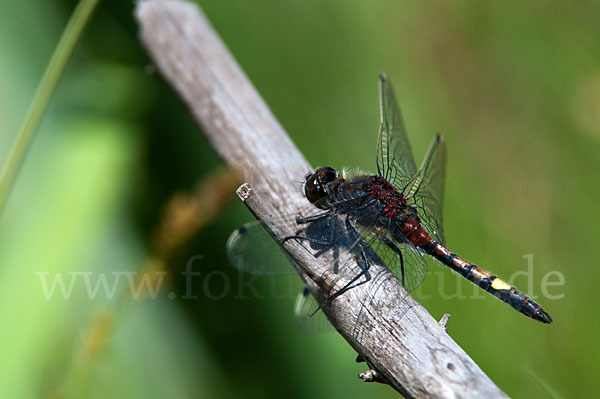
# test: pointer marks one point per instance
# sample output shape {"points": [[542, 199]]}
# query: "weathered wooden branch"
{"points": [[397, 338]]}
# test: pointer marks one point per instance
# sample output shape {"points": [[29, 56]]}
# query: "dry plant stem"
{"points": [[188, 212], [391, 331], [184, 215]]}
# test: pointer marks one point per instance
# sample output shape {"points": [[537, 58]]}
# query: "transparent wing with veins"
{"points": [[394, 156], [252, 250], [424, 189], [404, 260]]}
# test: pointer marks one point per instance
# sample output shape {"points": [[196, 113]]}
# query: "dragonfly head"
{"points": [[321, 183]]}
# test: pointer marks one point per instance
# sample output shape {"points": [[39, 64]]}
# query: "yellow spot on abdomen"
{"points": [[498, 284]]}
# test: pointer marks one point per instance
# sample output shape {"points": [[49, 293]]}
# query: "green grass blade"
{"points": [[46, 87]]}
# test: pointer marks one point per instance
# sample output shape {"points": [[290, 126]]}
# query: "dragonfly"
{"points": [[393, 217]]}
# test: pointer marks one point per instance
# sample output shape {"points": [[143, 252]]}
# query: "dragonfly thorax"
{"points": [[393, 202]]}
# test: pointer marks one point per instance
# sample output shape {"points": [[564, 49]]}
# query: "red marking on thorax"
{"points": [[385, 193]]}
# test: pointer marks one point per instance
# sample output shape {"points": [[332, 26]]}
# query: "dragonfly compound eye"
{"points": [[327, 174], [317, 185]]}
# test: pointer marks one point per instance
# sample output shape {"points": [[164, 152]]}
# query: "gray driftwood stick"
{"points": [[397, 337]]}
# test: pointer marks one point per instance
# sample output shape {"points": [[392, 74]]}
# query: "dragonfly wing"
{"points": [[252, 250], [394, 156], [402, 258], [308, 321], [405, 262], [426, 191]]}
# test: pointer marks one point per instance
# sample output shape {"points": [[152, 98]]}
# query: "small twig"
{"points": [[444, 320], [387, 327], [371, 376]]}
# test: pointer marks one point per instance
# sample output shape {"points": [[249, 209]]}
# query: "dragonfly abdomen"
{"points": [[489, 282]]}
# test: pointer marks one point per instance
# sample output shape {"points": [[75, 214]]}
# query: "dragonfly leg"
{"points": [[309, 239], [313, 218], [327, 242], [349, 285], [365, 265]]}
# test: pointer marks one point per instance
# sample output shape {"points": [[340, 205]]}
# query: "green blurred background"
{"points": [[514, 87]]}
